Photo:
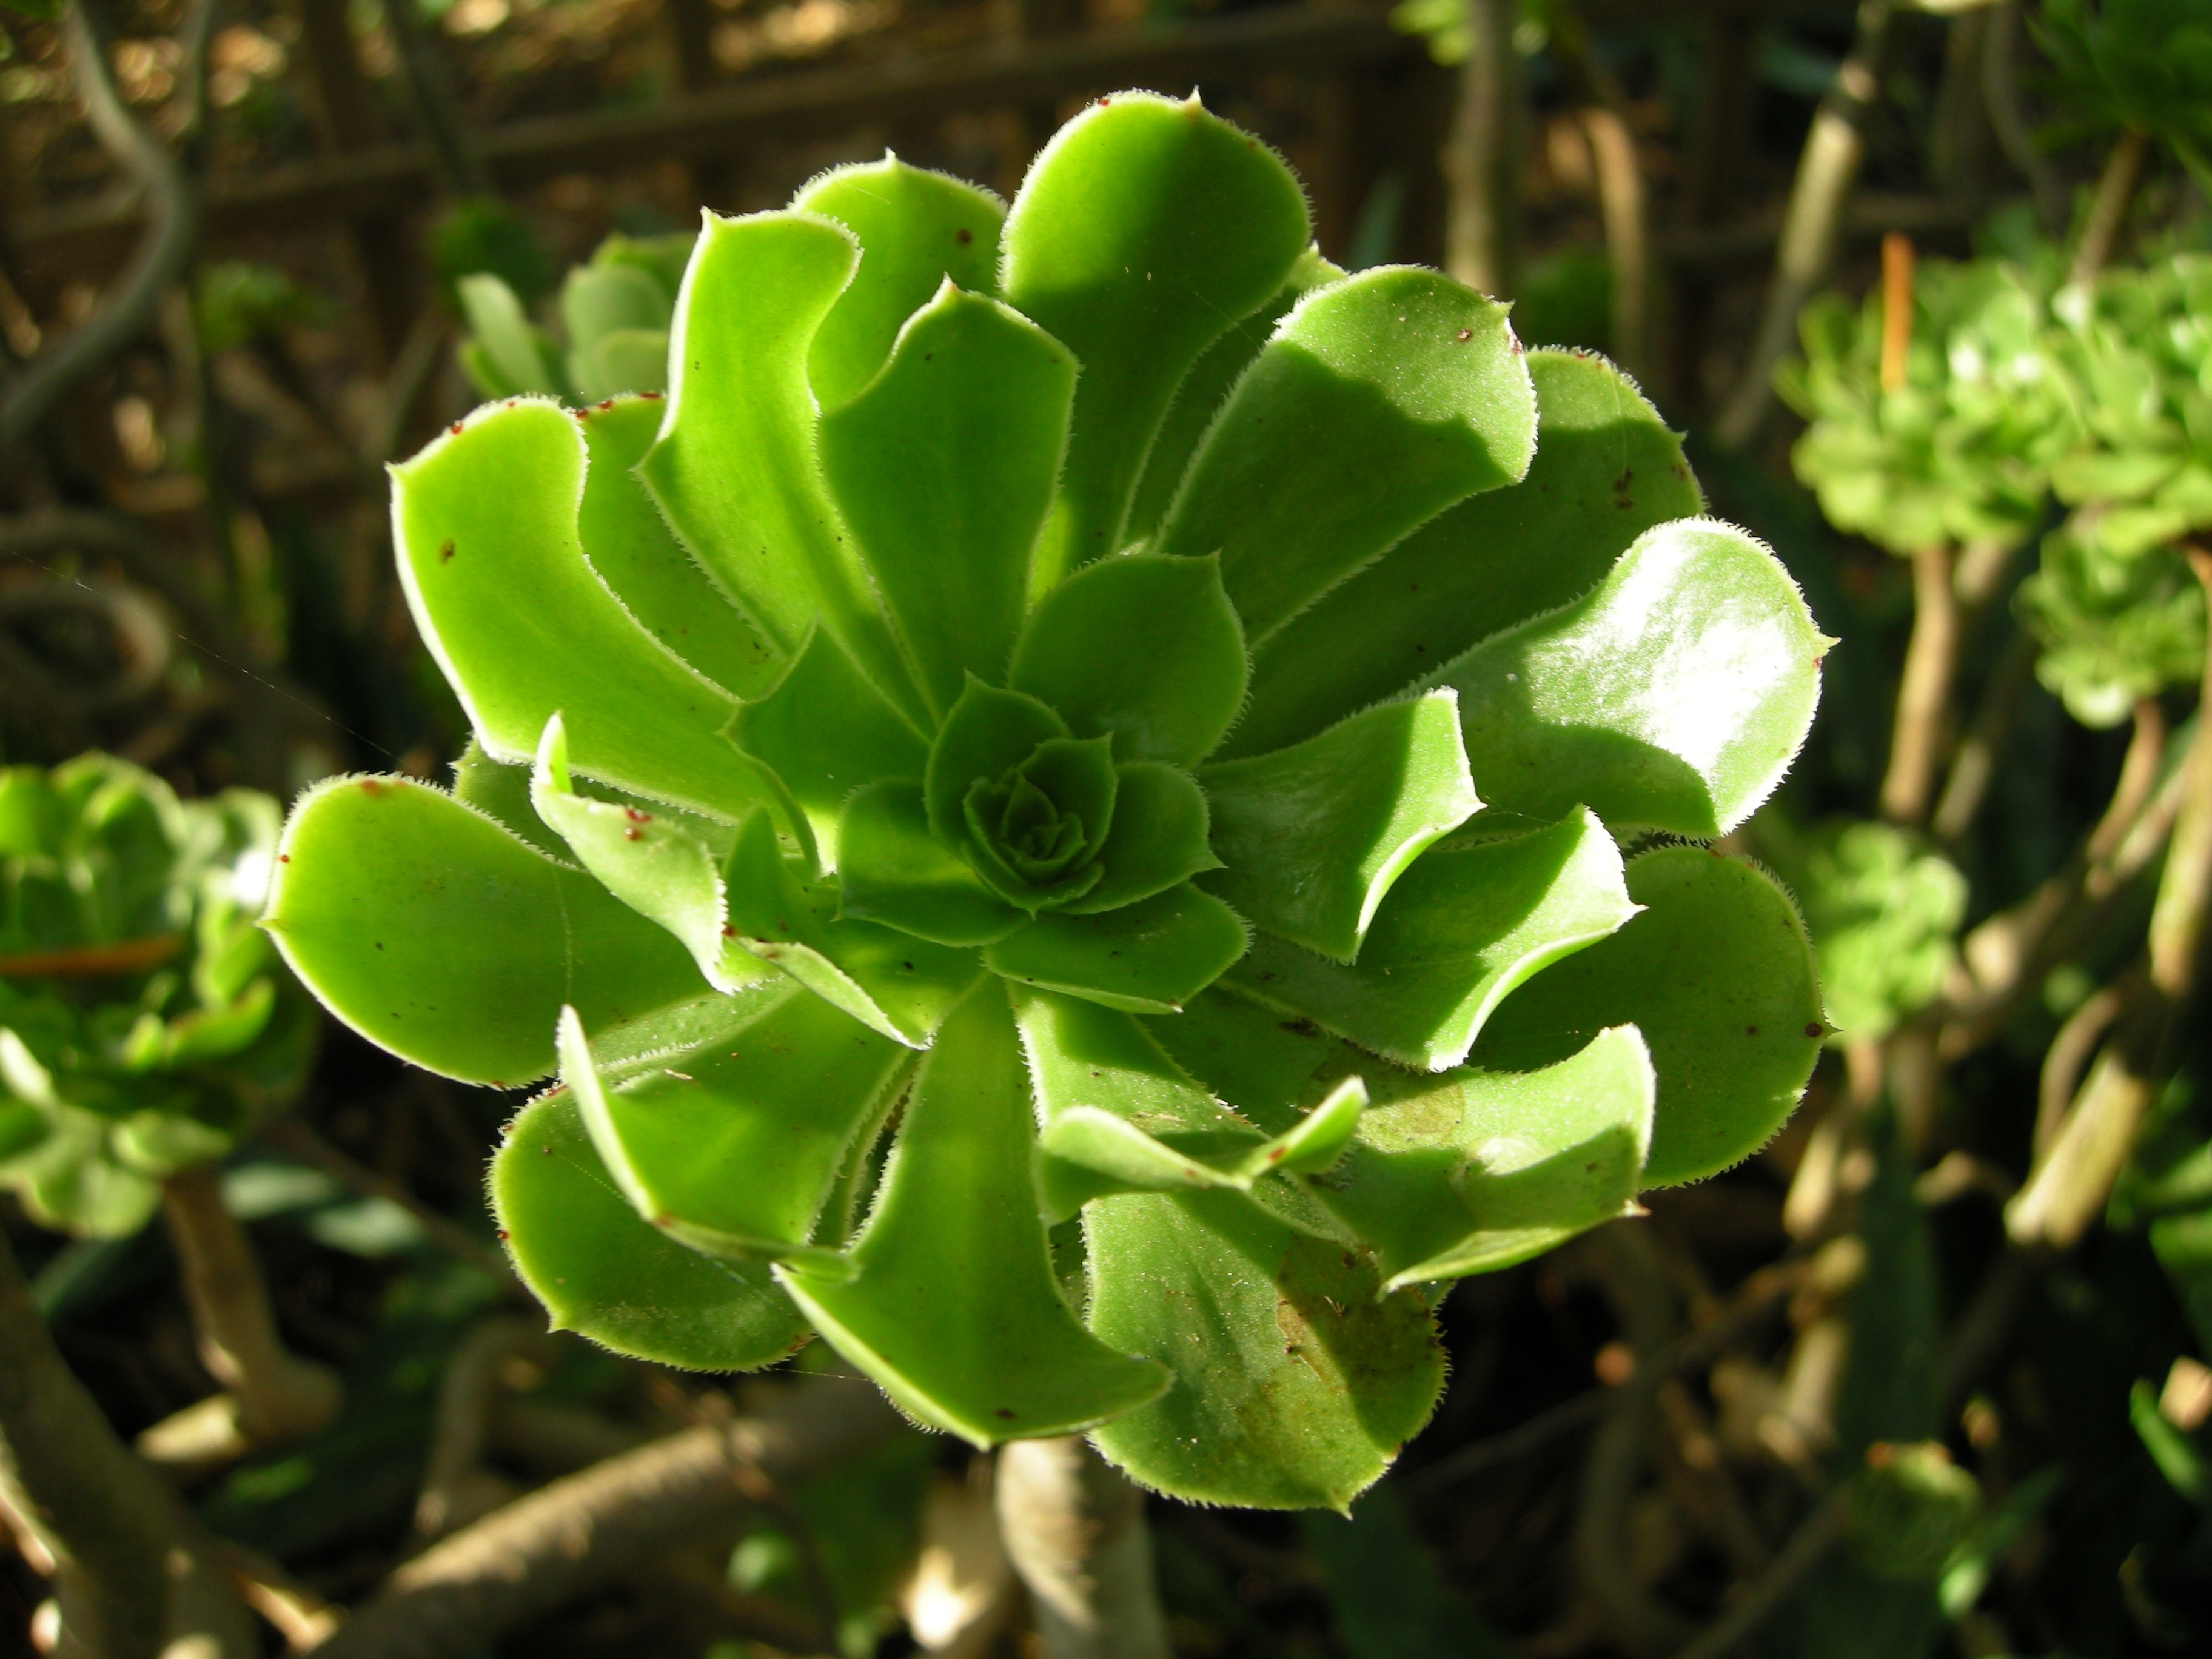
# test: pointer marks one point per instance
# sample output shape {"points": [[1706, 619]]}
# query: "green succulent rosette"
{"points": [[1058, 806], [1961, 451], [144, 1019], [615, 310]]}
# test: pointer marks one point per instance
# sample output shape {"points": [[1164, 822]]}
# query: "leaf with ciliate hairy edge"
{"points": [[1380, 400], [1297, 1377], [1312, 838], [1144, 228], [1171, 700], [735, 469], [1607, 469], [1150, 957], [1673, 697], [944, 468], [503, 792], [489, 555], [1159, 839], [438, 934], [952, 1304], [989, 731], [1115, 1113], [916, 230], [1474, 1171], [894, 871], [662, 867], [627, 543], [732, 1147], [1717, 976], [891, 982], [825, 729], [609, 1276], [1461, 929], [1207, 387]]}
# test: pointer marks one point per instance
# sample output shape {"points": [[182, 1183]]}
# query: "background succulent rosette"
{"points": [[1059, 805]]}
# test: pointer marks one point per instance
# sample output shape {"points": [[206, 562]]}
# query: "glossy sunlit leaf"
{"points": [[732, 1147], [1297, 1377], [1607, 469], [1717, 976], [891, 982], [916, 230], [952, 1305], [1673, 696], [607, 1275], [1144, 228], [437, 934], [1380, 400], [667, 868], [894, 871], [627, 543], [486, 523], [501, 793], [1111, 1103], [1474, 1171], [825, 729], [735, 468], [1150, 957], [944, 467], [1170, 701], [1159, 838], [1207, 387], [1459, 930], [1311, 837]]}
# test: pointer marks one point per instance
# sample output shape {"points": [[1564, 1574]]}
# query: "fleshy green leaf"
{"points": [[1380, 401], [989, 733], [486, 522], [952, 1305], [825, 731], [1312, 838], [893, 871], [1607, 469], [1144, 228], [1673, 696], [1459, 930], [1207, 387], [606, 1274], [596, 299], [916, 230], [513, 355], [1716, 975], [735, 468], [1159, 838], [1297, 1377], [944, 467], [1112, 1103], [501, 793], [438, 934], [1150, 957], [621, 361], [627, 543], [663, 867], [1475, 1171], [732, 1147], [1032, 834], [1171, 701]]}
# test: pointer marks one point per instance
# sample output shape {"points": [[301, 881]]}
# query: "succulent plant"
{"points": [[1960, 452], [2137, 65], [615, 310], [1058, 804], [144, 1017]]}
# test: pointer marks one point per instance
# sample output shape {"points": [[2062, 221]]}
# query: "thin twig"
{"points": [[1974, 765], [1827, 171], [1074, 1529], [173, 226], [2108, 208], [290, 1135], [1482, 225], [1924, 691], [2070, 1052], [543, 1550], [2001, 95], [1819, 1533]]}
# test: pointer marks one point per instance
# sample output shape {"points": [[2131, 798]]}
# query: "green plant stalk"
{"points": [[2108, 208], [1924, 691], [2067, 1190], [1482, 226]]}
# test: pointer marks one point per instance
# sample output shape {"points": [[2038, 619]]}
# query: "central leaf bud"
{"points": [[1034, 830]]}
